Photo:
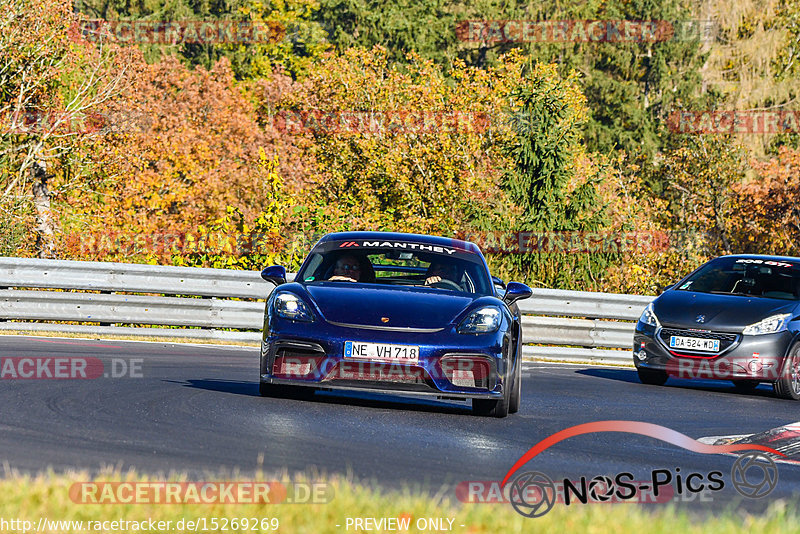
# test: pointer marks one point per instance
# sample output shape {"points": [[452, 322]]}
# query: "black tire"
{"points": [[491, 407], [270, 390], [745, 386], [653, 377], [516, 389], [285, 392], [788, 385]]}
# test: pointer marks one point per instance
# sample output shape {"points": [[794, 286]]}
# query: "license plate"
{"points": [[694, 343], [381, 351]]}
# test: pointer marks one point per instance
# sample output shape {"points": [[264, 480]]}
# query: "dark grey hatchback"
{"points": [[735, 318]]}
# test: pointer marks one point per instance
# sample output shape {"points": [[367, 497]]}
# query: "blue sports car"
{"points": [[391, 312]]}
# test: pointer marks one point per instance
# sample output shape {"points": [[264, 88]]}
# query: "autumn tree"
{"points": [[702, 174], [290, 38], [52, 83], [766, 210], [192, 148], [541, 180], [401, 148]]}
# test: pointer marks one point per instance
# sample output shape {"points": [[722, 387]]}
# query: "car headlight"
{"points": [[649, 316], [289, 306], [481, 321], [770, 325]]}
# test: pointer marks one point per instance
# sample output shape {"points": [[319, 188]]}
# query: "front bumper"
{"points": [[450, 365], [742, 358]]}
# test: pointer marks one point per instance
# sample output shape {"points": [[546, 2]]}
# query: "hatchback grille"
{"points": [[725, 339]]}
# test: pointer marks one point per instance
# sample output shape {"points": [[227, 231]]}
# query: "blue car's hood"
{"points": [[405, 307], [729, 313]]}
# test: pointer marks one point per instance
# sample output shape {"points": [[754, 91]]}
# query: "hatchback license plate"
{"points": [[694, 343]]}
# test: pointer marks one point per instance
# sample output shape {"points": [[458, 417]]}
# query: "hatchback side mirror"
{"points": [[275, 274], [667, 287], [516, 291]]}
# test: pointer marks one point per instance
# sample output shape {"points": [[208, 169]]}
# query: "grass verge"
{"points": [[48, 496]]}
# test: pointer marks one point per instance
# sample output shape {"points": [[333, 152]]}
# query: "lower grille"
{"points": [[464, 370], [378, 372], [297, 360]]}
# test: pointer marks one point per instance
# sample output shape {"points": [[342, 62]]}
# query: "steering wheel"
{"points": [[444, 283]]}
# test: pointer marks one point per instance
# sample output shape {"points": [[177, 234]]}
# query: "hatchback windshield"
{"points": [[754, 277]]}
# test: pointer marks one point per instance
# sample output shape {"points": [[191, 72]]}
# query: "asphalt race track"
{"points": [[196, 409]]}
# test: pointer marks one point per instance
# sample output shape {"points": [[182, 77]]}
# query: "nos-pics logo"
{"points": [[532, 493]]}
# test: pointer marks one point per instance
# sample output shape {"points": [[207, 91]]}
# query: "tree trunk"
{"points": [[45, 242]]}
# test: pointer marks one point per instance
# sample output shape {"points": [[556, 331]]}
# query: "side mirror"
{"points": [[499, 286], [275, 274], [665, 288], [516, 291]]}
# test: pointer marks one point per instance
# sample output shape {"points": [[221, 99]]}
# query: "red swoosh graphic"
{"points": [[632, 427]]}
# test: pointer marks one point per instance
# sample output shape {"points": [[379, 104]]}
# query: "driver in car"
{"points": [[439, 270], [347, 269]]}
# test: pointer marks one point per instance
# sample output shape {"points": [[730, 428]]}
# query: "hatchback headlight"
{"points": [[649, 317], [770, 325], [481, 321], [289, 306]]}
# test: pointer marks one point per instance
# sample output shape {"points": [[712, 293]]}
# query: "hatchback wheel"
{"points": [[788, 385], [654, 377]]}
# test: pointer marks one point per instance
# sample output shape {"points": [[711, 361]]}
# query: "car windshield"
{"points": [[753, 277], [434, 268]]}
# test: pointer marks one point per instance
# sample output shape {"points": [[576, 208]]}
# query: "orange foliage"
{"points": [[768, 207], [190, 148]]}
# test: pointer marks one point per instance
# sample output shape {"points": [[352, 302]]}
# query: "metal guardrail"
{"points": [[582, 332], [565, 325], [585, 304], [131, 278], [581, 325], [136, 309], [206, 334]]}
